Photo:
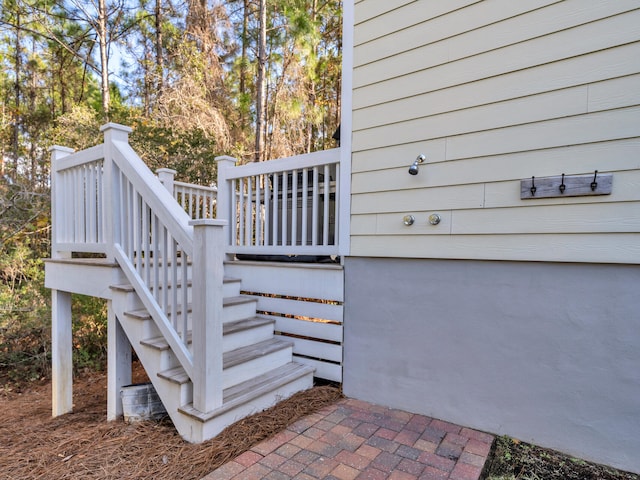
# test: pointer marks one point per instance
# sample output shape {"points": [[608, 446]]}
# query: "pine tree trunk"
{"points": [[18, 94], [104, 58], [243, 61], [261, 81], [159, 48]]}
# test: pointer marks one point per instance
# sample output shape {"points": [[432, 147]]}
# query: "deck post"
{"points": [[167, 177], [113, 132], [118, 363], [61, 353], [208, 272], [61, 333], [223, 206]]}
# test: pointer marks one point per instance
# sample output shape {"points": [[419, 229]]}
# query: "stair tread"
{"points": [[160, 343], [237, 300], [143, 314], [190, 282], [250, 389], [232, 358], [250, 352], [125, 287]]}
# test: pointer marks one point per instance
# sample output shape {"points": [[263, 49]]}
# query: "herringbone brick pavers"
{"points": [[356, 440]]}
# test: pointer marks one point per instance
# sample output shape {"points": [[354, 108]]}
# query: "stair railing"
{"points": [[133, 219]]}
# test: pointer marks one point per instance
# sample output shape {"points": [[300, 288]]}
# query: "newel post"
{"points": [[61, 332], [223, 199], [167, 177], [113, 132], [208, 272]]}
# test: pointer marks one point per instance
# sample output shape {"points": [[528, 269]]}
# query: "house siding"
{"points": [[493, 92]]}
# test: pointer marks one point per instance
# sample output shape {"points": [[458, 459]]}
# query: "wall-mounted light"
{"points": [[413, 169]]}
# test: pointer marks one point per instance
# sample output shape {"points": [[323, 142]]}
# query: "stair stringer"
{"points": [[172, 395]]}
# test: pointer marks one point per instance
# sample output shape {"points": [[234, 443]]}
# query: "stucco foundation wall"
{"points": [[546, 352]]}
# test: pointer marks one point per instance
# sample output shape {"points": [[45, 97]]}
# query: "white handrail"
{"points": [[76, 159], [307, 160]]}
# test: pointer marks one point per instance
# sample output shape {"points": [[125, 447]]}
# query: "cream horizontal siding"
{"points": [[582, 158], [585, 69], [408, 77], [584, 218], [368, 9], [410, 41], [400, 18], [593, 248], [492, 92], [482, 195]]}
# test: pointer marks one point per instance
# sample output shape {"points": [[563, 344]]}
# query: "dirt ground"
{"points": [[512, 459], [82, 444]]}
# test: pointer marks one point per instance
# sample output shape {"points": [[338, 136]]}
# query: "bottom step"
{"points": [[250, 397]]}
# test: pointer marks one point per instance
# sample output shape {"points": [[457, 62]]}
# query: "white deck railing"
{"points": [[198, 201], [288, 206], [78, 200]]}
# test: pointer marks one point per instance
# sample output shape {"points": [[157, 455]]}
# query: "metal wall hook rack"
{"points": [[566, 186]]}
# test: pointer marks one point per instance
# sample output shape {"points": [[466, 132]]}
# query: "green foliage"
{"points": [[79, 128], [89, 333], [25, 312], [191, 153]]}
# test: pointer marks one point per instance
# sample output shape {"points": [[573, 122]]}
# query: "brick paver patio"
{"points": [[352, 440]]}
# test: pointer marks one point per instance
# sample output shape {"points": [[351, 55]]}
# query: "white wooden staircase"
{"points": [[210, 357]]}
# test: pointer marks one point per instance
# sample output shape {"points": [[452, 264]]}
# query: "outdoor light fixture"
{"points": [[413, 169]]}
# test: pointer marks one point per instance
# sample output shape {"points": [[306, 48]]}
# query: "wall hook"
{"points": [[533, 186], [594, 184], [562, 185]]}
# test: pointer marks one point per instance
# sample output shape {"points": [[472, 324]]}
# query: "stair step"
{"points": [[251, 352], [237, 300], [143, 314], [232, 358], [126, 287], [175, 375], [160, 343], [250, 389], [225, 280]]}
